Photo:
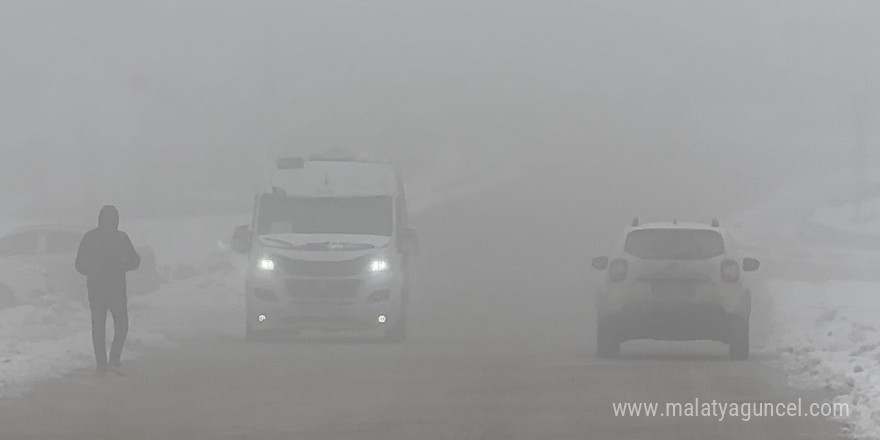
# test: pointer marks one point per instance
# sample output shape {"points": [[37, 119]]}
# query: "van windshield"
{"points": [[328, 215], [674, 244]]}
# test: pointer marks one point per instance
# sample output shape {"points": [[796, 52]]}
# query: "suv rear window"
{"points": [[674, 244]]}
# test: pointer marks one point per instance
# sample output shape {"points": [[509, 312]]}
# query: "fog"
{"points": [[130, 95], [608, 109]]}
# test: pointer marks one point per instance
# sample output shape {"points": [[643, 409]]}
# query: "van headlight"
{"points": [[379, 265], [266, 264]]}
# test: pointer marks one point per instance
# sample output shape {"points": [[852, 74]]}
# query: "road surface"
{"points": [[501, 347]]}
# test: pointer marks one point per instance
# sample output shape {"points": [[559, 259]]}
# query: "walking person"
{"points": [[105, 255]]}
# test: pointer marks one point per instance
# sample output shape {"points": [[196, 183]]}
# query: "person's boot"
{"points": [[116, 366]]}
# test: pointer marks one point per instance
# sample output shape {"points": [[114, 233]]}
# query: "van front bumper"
{"points": [[331, 317], [340, 304]]}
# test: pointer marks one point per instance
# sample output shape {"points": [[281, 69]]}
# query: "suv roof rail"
{"points": [[715, 223], [635, 221]]}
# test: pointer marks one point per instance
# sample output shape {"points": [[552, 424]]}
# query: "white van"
{"points": [[329, 247]]}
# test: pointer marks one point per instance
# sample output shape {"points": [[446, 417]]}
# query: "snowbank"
{"points": [[822, 291], [847, 217], [846, 225], [828, 337], [41, 342], [51, 339], [440, 189]]}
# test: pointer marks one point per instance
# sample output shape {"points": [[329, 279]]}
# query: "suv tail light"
{"points": [[730, 271], [618, 270]]}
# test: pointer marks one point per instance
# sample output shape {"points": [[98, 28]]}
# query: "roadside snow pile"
{"points": [[457, 182], [40, 342], [848, 218], [51, 339], [828, 338], [825, 326]]}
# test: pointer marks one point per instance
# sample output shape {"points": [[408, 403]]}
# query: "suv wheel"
{"points": [[739, 340], [606, 345]]}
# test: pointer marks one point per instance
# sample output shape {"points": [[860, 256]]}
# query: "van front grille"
{"points": [[323, 289], [347, 268]]}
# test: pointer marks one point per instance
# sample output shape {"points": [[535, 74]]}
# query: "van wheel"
{"points": [[606, 345], [7, 297], [397, 332], [739, 340]]}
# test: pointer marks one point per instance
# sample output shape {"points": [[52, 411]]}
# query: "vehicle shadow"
{"points": [[664, 351], [673, 357], [309, 339]]}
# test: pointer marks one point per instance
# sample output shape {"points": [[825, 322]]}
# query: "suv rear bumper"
{"points": [[672, 322]]}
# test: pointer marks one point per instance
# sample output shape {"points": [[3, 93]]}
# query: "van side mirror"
{"points": [[600, 263], [408, 241], [751, 265], [242, 239]]}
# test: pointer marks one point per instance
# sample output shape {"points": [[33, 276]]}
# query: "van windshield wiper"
{"points": [[322, 245], [340, 244], [280, 243]]}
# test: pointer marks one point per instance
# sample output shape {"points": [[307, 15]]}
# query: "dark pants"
{"points": [[117, 305]]}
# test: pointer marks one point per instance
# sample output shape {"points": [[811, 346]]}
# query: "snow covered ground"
{"points": [[847, 217], [828, 337], [201, 298], [822, 292]]}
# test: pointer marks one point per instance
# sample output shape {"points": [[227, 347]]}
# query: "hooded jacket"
{"points": [[105, 255]]}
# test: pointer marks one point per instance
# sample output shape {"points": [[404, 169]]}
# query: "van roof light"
{"points": [[290, 163], [635, 221], [715, 223]]}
